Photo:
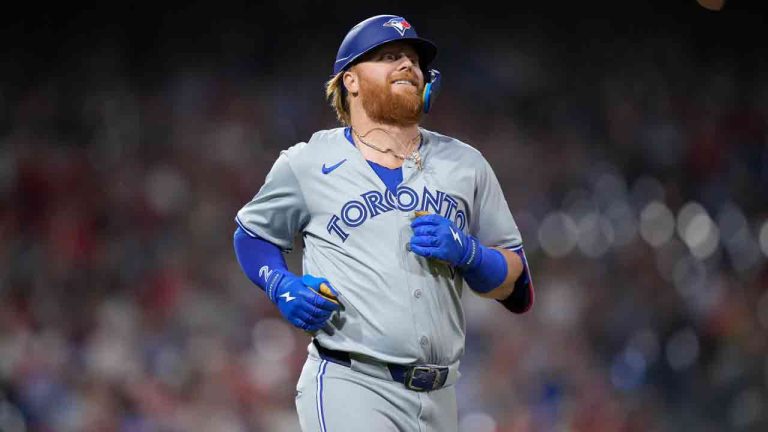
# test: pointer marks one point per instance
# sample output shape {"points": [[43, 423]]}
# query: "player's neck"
{"points": [[384, 144], [398, 136]]}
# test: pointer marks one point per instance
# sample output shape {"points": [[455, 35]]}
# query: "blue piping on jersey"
{"points": [[242, 225]]}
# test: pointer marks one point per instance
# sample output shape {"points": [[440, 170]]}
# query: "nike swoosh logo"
{"points": [[327, 170]]}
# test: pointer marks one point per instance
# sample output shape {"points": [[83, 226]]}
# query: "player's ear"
{"points": [[351, 81]]}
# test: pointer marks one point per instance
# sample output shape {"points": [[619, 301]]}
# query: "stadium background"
{"points": [[631, 139]]}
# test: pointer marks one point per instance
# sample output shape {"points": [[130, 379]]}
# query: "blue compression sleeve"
{"points": [[257, 257], [488, 271]]}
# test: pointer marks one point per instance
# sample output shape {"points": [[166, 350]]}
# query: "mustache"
{"points": [[409, 76]]}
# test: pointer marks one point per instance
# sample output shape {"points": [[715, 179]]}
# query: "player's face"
{"points": [[391, 85]]}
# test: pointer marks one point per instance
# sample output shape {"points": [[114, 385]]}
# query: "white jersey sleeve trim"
{"points": [[242, 225]]}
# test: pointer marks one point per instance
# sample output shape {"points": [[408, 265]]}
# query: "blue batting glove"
{"points": [[299, 299], [436, 237]]}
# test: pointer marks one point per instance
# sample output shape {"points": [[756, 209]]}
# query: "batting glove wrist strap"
{"points": [[488, 271], [472, 255], [273, 282]]}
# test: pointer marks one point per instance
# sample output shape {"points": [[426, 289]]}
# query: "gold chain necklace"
{"points": [[415, 156]]}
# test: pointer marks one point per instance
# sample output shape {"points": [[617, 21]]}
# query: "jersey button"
{"points": [[424, 341], [417, 293]]}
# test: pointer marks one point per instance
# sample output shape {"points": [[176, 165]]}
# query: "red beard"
{"points": [[402, 108]]}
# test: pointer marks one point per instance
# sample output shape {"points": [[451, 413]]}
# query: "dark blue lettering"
{"points": [[349, 219], [375, 202], [461, 219], [452, 204], [333, 227], [414, 199], [435, 202]]}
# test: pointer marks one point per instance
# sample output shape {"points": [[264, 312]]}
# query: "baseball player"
{"points": [[396, 221]]}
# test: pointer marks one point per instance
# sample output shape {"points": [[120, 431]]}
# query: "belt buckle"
{"points": [[418, 373]]}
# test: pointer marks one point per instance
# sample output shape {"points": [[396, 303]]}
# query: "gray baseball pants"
{"points": [[335, 398]]}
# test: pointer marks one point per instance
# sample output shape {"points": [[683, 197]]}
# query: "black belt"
{"points": [[416, 377]]}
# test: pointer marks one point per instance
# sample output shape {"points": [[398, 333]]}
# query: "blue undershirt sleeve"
{"points": [[257, 257]]}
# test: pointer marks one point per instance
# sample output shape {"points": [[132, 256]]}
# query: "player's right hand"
{"points": [[300, 301]]}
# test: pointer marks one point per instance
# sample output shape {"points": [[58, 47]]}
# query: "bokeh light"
{"points": [[657, 224], [623, 222], [557, 234], [697, 230], [741, 244], [763, 236], [682, 349]]}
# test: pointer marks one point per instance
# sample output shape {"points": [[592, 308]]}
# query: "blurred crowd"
{"points": [[637, 176]]}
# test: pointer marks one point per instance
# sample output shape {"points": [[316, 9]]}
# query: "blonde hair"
{"points": [[336, 96]]}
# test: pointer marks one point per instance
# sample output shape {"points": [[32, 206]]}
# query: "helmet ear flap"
{"points": [[431, 89]]}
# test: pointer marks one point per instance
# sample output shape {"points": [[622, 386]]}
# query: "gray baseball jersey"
{"points": [[398, 307]]}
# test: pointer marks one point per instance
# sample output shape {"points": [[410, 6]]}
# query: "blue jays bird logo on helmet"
{"points": [[399, 24]]}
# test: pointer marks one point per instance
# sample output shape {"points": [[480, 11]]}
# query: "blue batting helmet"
{"points": [[376, 31]]}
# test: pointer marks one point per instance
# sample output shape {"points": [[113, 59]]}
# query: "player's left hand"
{"points": [[436, 237]]}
